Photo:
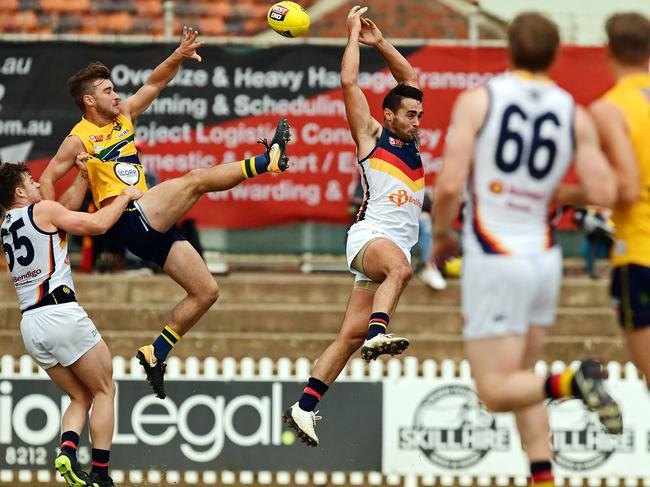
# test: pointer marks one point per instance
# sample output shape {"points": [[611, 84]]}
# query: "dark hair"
{"points": [[81, 82], [11, 176], [393, 100], [533, 41], [629, 37]]}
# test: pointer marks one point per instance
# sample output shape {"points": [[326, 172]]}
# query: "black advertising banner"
{"points": [[201, 425]]}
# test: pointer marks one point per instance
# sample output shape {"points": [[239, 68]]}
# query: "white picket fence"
{"points": [[284, 369]]}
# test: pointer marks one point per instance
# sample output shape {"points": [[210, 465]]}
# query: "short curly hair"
{"points": [[11, 176]]}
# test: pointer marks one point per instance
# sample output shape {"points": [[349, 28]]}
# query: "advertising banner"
{"points": [[216, 110], [201, 425], [439, 427]]}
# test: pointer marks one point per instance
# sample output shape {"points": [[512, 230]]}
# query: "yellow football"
{"points": [[288, 19]]}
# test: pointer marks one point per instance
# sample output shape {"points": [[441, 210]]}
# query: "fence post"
{"points": [[168, 9], [472, 24]]}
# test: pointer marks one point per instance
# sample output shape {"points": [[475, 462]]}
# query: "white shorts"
{"points": [[504, 295], [359, 235], [58, 334]]}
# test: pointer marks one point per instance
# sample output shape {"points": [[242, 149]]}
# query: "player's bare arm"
{"points": [[50, 215], [467, 119], [615, 141], [59, 165], [400, 68], [596, 176], [73, 197], [364, 128], [137, 103]]}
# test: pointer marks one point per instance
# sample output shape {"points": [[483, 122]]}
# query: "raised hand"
{"points": [[189, 44], [80, 162], [354, 19], [370, 34]]}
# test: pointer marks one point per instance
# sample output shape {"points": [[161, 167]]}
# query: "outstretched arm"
{"points": [[363, 127], [60, 165], [137, 103], [50, 215], [401, 69]]}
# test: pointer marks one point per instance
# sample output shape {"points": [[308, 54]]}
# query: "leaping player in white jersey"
{"points": [[56, 331], [511, 144], [379, 243]]}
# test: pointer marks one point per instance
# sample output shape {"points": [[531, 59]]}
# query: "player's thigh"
{"points": [[66, 380], [185, 266], [95, 368], [493, 358], [535, 340], [166, 202], [383, 256], [357, 312], [496, 294]]}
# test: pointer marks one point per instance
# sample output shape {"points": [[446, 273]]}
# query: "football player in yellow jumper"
{"points": [[104, 141]]}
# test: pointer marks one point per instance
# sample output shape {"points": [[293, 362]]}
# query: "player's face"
{"points": [[106, 101], [405, 122], [30, 189]]}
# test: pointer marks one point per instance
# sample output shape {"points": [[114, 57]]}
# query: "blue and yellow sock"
{"points": [[255, 166], [378, 324], [165, 342]]}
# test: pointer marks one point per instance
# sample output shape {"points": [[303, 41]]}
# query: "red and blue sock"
{"points": [[313, 392], [100, 462], [559, 386], [541, 474], [378, 324], [69, 443]]}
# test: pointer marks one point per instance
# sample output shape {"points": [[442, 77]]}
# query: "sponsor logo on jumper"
{"points": [[395, 142], [496, 187], [127, 173], [96, 138], [28, 275], [453, 429], [403, 197]]}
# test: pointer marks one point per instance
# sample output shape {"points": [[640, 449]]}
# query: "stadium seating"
{"points": [[425, 19], [142, 17], [302, 314]]}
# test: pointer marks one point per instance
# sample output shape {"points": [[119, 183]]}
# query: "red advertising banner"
{"points": [[215, 112]]}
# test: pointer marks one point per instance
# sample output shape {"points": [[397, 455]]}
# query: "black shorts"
{"points": [[631, 295], [133, 230]]}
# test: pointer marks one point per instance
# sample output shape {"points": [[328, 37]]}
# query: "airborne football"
{"points": [[288, 19]]}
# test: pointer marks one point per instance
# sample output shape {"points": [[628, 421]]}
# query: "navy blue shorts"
{"points": [[631, 295], [135, 233]]}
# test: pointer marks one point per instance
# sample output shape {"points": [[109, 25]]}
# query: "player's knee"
{"points": [[493, 400], [83, 398], [402, 273], [210, 293], [351, 342]]}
